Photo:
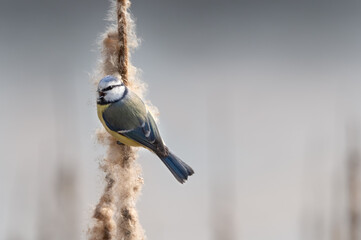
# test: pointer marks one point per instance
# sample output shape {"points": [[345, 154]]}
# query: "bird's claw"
{"points": [[119, 143]]}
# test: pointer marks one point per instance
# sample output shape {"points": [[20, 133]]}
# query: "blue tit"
{"points": [[125, 117]]}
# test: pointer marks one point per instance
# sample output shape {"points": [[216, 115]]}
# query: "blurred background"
{"points": [[261, 98]]}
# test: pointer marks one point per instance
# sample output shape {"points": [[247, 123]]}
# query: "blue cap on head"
{"points": [[109, 78], [107, 81]]}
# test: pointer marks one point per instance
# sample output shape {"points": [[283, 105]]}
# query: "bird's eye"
{"points": [[107, 88], [110, 87]]}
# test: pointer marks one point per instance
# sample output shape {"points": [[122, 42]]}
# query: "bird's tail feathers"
{"points": [[179, 169]]}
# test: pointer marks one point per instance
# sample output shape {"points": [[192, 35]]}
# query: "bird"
{"points": [[125, 116]]}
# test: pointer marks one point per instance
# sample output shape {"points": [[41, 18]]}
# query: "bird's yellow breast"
{"points": [[117, 136]]}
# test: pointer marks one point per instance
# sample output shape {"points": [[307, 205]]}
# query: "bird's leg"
{"points": [[119, 143]]}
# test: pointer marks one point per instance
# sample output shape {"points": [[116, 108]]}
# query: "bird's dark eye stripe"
{"points": [[111, 87]]}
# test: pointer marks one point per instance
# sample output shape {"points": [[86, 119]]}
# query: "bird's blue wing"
{"points": [[147, 135]]}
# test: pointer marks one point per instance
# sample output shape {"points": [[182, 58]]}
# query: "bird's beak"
{"points": [[101, 94]]}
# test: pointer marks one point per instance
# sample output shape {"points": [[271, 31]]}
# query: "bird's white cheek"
{"points": [[115, 94], [120, 90]]}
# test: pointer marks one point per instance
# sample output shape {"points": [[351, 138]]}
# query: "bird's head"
{"points": [[110, 89]]}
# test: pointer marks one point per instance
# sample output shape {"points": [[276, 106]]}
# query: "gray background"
{"points": [[261, 98]]}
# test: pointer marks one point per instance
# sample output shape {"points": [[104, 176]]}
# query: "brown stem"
{"points": [[122, 6]]}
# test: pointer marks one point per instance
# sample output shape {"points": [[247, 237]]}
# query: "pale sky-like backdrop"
{"points": [[261, 98]]}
